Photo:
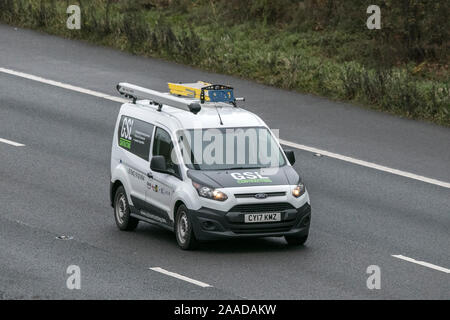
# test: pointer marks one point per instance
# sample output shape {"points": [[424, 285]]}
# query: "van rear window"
{"points": [[135, 136]]}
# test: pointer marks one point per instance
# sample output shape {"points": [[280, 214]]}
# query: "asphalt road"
{"points": [[58, 184]]}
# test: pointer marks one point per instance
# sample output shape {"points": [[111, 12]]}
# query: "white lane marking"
{"points": [[367, 164], [179, 276], [12, 143], [422, 263], [62, 85], [285, 142]]}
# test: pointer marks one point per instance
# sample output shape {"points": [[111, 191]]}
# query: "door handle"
{"points": [[150, 175]]}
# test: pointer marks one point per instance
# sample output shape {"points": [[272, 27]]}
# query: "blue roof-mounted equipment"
{"points": [[205, 92], [218, 93]]}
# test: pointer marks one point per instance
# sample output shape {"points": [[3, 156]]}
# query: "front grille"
{"points": [[252, 195], [262, 207]]}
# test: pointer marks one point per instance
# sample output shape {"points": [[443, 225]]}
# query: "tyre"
{"points": [[296, 240], [183, 230], [124, 220]]}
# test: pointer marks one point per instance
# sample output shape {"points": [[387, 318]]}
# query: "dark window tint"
{"points": [[163, 146], [135, 136]]}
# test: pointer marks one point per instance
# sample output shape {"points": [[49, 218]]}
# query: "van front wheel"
{"points": [[122, 215], [183, 230]]}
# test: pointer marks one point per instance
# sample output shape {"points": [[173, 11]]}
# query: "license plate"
{"points": [[262, 217]]}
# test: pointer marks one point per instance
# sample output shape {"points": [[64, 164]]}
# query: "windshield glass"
{"points": [[229, 148]]}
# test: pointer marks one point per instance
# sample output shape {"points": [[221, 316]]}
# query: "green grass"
{"points": [[332, 62]]}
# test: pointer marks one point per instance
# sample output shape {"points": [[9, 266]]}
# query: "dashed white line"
{"points": [[422, 263], [181, 277], [284, 142], [12, 143]]}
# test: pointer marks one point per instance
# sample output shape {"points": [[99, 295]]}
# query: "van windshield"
{"points": [[229, 148]]}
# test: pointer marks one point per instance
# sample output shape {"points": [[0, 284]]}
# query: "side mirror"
{"points": [[290, 155], [158, 164]]}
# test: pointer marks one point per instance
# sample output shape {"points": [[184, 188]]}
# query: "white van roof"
{"points": [[211, 115]]}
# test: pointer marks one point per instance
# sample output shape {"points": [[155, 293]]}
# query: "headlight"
{"points": [[299, 190], [209, 193]]}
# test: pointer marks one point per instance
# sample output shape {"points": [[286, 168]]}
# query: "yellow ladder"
{"points": [[191, 90]]}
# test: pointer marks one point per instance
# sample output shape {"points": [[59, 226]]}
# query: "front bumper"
{"points": [[210, 224]]}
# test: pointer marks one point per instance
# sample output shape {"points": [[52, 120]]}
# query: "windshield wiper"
{"points": [[242, 168]]}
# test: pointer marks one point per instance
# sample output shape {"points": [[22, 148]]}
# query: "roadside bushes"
{"points": [[314, 46], [395, 90]]}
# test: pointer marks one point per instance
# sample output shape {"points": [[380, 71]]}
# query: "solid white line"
{"points": [[62, 85], [15, 144], [179, 276], [422, 263], [285, 142], [367, 164]]}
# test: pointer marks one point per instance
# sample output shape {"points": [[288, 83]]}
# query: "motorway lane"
{"points": [[49, 189], [412, 146], [58, 184], [33, 266]]}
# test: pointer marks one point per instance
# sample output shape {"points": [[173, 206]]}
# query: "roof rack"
{"points": [[134, 92], [185, 96]]}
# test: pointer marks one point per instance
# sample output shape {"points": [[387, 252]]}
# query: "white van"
{"points": [[191, 161]]}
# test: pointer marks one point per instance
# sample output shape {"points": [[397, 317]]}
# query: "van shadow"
{"points": [[243, 245]]}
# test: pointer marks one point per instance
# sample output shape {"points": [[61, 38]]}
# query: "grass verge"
{"points": [[335, 62]]}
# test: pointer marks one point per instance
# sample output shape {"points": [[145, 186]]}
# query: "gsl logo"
{"points": [[247, 175], [127, 126]]}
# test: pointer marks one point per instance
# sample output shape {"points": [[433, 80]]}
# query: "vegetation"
{"points": [[321, 47]]}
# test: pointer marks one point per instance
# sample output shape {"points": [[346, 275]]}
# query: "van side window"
{"points": [[163, 146], [135, 136]]}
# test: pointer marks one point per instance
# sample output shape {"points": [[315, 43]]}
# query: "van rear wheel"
{"points": [[183, 230], [122, 214]]}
